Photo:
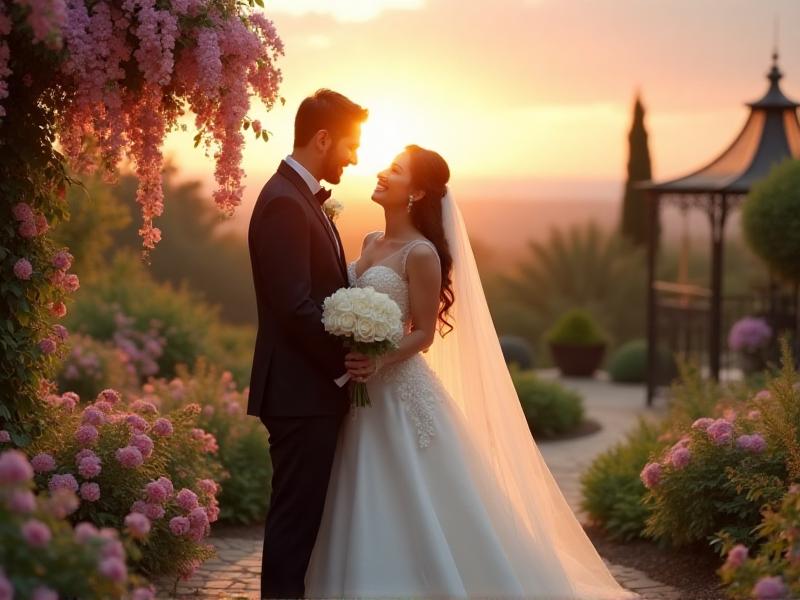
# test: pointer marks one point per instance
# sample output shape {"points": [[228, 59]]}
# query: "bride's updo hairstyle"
{"points": [[430, 174]]}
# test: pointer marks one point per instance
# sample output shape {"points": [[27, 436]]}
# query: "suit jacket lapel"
{"points": [[333, 235]]}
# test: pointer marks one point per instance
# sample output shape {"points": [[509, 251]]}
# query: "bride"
{"points": [[437, 488]]}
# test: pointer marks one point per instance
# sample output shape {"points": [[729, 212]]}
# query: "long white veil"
{"points": [[470, 364]]}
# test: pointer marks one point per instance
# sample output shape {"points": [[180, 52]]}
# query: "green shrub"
{"points": [[92, 366], [576, 327], [549, 408], [718, 490], [243, 445], [67, 565], [127, 301], [628, 364], [777, 557], [131, 446], [612, 491], [517, 351], [771, 219]]}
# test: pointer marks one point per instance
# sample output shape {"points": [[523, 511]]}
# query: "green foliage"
{"points": [[629, 363], [189, 327], [197, 247], [92, 366], [720, 493], [517, 351], [65, 565], [549, 408], [576, 327], [243, 446], [771, 219], [95, 214], [635, 218], [612, 492], [31, 170], [182, 456], [579, 267], [778, 553]]}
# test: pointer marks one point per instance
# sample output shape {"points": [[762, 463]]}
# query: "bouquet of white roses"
{"points": [[370, 322]]}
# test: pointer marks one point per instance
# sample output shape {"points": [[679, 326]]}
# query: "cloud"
{"points": [[343, 10]]}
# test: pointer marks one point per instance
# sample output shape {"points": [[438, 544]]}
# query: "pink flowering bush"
{"points": [[91, 366], [244, 496], [90, 86], [773, 570], [42, 556], [132, 472], [715, 480]]}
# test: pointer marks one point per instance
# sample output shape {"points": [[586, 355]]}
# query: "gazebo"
{"points": [[770, 135]]}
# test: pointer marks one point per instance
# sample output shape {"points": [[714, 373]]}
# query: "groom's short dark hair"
{"points": [[327, 110]]}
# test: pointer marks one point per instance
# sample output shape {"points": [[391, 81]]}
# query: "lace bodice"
{"points": [[417, 386]]}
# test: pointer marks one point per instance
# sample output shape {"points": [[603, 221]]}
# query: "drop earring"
{"points": [[410, 202]]}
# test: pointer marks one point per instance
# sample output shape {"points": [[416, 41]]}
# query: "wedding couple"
{"points": [[437, 489]]}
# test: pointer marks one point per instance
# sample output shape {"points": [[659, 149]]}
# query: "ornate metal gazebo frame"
{"points": [[770, 135]]}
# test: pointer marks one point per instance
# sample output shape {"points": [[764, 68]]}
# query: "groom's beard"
{"points": [[332, 170]]}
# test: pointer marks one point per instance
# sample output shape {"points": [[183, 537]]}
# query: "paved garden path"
{"points": [[235, 572]]}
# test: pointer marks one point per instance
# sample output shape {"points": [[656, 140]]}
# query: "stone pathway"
{"points": [[234, 574]]}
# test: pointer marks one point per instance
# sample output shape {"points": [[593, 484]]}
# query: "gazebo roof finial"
{"points": [[774, 98]]}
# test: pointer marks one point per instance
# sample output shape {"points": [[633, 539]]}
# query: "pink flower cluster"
{"points": [[754, 443], [207, 440], [30, 223], [140, 349], [651, 475], [185, 52], [720, 431], [770, 588]]}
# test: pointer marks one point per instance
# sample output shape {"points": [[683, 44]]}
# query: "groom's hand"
{"points": [[359, 366]]}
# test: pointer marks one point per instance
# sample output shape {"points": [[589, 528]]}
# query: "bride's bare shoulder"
{"points": [[369, 238]]}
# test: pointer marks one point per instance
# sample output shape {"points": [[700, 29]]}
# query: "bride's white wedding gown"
{"points": [[414, 509]]}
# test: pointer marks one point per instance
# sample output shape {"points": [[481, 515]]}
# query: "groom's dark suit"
{"points": [[296, 265]]}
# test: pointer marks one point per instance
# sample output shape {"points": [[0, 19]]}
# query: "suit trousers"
{"points": [[302, 451]]}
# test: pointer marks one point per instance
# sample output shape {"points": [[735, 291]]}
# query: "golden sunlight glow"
{"points": [[388, 130]]}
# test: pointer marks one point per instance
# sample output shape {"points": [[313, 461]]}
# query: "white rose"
{"points": [[381, 331], [347, 323], [365, 330]]}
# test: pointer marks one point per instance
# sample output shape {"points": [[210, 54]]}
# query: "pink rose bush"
{"points": [[42, 556], [124, 474], [225, 431]]}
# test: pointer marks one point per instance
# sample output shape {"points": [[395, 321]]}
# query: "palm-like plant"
{"points": [[580, 267]]}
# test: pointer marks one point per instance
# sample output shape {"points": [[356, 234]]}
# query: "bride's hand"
{"points": [[360, 366]]}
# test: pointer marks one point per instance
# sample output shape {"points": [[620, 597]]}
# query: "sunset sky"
{"points": [[525, 98]]}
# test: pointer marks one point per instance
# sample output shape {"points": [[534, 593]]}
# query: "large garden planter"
{"points": [[577, 361]]}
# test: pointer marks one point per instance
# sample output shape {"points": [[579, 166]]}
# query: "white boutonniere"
{"points": [[333, 208]]}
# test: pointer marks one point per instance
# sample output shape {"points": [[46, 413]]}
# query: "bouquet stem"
{"points": [[359, 395]]}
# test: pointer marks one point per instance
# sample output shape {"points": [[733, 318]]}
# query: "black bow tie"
{"points": [[322, 195]]}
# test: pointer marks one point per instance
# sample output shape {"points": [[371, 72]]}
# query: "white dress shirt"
{"points": [[315, 186]]}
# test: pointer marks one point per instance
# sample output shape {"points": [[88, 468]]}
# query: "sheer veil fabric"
{"points": [[470, 365]]}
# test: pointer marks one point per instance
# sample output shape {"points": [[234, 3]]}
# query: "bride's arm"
{"points": [[424, 284]]}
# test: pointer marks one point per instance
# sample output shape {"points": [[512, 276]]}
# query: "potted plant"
{"points": [[750, 337], [577, 344]]}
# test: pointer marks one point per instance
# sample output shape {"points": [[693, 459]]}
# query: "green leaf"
{"points": [[264, 135], [246, 125]]}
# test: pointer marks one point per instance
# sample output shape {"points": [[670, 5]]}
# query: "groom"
{"points": [[297, 384]]}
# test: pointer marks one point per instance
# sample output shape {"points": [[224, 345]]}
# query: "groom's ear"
{"points": [[323, 140]]}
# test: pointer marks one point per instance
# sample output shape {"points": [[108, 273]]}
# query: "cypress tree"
{"points": [[634, 225]]}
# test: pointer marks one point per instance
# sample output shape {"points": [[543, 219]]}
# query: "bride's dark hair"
{"points": [[430, 173]]}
